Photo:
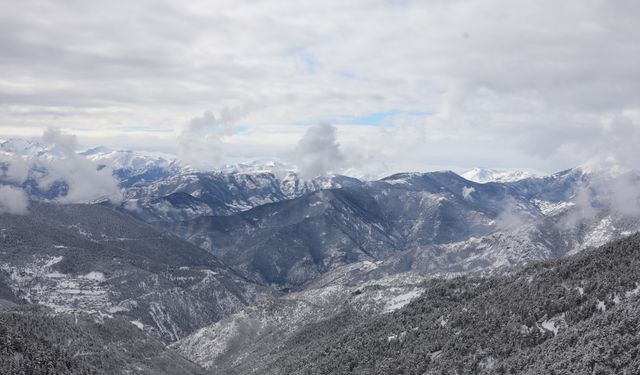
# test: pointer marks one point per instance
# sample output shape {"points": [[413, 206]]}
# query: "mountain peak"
{"points": [[484, 175]]}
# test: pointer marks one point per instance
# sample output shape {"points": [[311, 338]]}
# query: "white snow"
{"points": [[55, 274], [552, 208], [399, 181], [554, 324], [401, 300], [616, 299], [52, 261], [633, 292], [94, 275], [484, 175], [601, 234], [550, 326]]}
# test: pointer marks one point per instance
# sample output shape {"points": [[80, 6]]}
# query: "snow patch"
{"points": [[94, 275], [401, 300], [52, 261], [552, 208], [554, 324], [633, 292]]}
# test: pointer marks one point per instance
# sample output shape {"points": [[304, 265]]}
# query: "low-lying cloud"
{"points": [[201, 142], [85, 180], [13, 200], [318, 152]]}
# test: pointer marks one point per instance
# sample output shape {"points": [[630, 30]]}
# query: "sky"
{"points": [[408, 85]]}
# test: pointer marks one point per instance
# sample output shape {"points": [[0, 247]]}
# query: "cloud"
{"points": [[13, 200], [318, 152], [200, 144], [15, 168], [584, 210], [467, 191], [85, 181], [507, 85], [513, 215]]}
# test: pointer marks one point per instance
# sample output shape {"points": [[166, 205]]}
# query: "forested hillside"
{"points": [[574, 315], [34, 340]]}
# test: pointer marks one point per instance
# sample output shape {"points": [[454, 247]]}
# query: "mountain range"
{"points": [[219, 264]]}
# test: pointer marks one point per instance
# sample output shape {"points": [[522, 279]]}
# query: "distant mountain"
{"points": [[90, 259], [484, 175], [291, 242], [159, 188], [189, 195], [23, 147], [431, 224], [133, 167]]}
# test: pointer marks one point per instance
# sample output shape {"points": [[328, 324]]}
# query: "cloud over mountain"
{"points": [[523, 86], [13, 200], [85, 180], [318, 151]]}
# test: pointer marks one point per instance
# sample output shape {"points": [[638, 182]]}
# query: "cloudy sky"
{"points": [[411, 85]]}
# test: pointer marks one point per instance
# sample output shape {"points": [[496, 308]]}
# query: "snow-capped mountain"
{"points": [[156, 186], [431, 224], [293, 241], [304, 250], [190, 195], [133, 167], [484, 175], [23, 147]]}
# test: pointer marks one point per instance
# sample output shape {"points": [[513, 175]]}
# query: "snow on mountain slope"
{"points": [[496, 252], [132, 161], [288, 243], [157, 187], [484, 175], [233, 344], [88, 258], [188, 196], [22, 147], [448, 224]]}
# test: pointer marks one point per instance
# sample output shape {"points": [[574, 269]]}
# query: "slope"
{"points": [[88, 258], [579, 314]]}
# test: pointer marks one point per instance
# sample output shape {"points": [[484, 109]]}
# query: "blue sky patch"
{"points": [[377, 118]]}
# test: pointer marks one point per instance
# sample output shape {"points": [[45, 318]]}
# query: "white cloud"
{"points": [[318, 152], [467, 191], [85, 180], [17, 168], [520, 84], [13, 200], [200, 144]]}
